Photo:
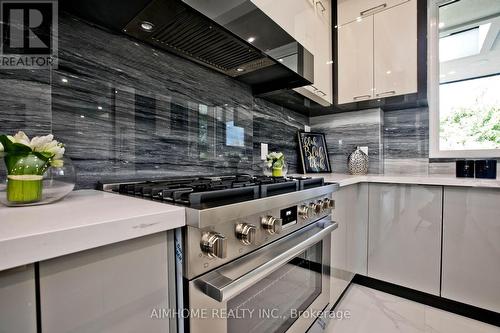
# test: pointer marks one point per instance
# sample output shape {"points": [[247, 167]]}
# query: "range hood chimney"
{"points": [[233, 37]]}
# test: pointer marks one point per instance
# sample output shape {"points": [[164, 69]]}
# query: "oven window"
{"points": [[273, 303]]}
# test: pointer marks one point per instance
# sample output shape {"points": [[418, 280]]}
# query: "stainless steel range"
{"points": [[255, 252]]}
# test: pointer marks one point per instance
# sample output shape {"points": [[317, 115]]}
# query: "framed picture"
{"points": [[313, 153]]}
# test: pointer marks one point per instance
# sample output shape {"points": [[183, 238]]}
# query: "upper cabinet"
{"points": [[351, 10], [309, 22], [377, 49]]}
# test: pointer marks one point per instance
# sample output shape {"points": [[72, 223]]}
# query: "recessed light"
{"points": [[240, 69], [359, 19], [82, 116], [250, 39], [280, 59], [329, 62], [388, 72], [99, 107], [147, 26], [441, 25], [64, 80]]}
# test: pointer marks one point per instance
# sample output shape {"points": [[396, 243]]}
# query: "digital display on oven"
{"points": [[288, 216]]}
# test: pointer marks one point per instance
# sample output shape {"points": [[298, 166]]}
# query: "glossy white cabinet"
{"points": [[471, 246], [404, 239], [109, 289], [349, 240], [18, 300], [395, 50], [350, 10], [355, 61], [309, 22], [377, 54]]}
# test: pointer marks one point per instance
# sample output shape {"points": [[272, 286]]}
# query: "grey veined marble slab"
{"points": [[345, 131], [127, 110]]}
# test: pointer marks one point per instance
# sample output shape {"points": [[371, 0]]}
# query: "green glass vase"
{"points": [[25, 177]]}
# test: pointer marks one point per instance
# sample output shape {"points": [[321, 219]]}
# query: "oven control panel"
{"points": [[226, 241]]}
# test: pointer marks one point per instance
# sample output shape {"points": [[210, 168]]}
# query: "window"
{"points": [[464, 78]]}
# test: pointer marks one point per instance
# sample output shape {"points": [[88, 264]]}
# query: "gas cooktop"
{"points": [[204, 192]]}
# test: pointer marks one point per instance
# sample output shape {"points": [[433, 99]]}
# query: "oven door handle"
{"points": [[221, 288]]}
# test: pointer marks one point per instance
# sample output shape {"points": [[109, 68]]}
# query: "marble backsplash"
{"points": [[345, 131], [127, 110]]}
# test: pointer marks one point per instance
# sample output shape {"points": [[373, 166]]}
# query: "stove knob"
{"points": [[314, 207], [320, 206], [329, 203], [271, 224], [305, 212], [246, 233], [214, 245]]}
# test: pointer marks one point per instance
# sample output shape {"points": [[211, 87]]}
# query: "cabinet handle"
{"points": [[390, 92], [321, 92], [321, 4], [315, 89], [362, 96], [373, 9]]}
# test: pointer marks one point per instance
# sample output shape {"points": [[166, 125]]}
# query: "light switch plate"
{"points": [[364, 150], [263, 150]]}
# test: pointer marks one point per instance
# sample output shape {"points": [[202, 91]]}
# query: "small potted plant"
{"points": [[276, 162], [26, 162]]}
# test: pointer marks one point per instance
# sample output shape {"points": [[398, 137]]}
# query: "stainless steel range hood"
{"points": [[233, 37]]}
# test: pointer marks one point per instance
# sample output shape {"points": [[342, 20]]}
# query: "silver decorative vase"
{"points": [[357, 162]]}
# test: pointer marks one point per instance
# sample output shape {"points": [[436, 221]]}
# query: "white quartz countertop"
{"points": [[85, 219], [444, 180]]}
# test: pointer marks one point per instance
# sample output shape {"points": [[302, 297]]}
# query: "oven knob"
{"points": [[314, 207], [305, 212], [214, 244], [329, 203], [246, 233], [271, 224], [320, 206]]}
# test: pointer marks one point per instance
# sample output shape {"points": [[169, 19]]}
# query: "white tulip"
{"points": [[20, 137], [1, 147], [58, 151], [40, 143]]}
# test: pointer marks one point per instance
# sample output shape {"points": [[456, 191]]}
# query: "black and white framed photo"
{"points": [[313, 153]]}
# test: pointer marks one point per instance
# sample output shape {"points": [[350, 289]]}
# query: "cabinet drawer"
{"points": [[350, 10]]}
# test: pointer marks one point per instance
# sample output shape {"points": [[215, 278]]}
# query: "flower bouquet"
{"points": [[26, 162], [276, 162]]}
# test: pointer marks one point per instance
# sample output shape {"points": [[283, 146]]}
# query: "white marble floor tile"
{"points": [[372, 311]]}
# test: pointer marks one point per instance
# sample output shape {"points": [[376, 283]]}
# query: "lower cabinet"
{"points": [[115, 288], [18, 300], [349, 240], [404, 238], [471, 246]]}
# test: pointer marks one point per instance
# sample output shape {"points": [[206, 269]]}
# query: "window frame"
{"points": [[433, 91]]}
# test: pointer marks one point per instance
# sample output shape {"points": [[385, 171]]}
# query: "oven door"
{"points": [[281, 287]]}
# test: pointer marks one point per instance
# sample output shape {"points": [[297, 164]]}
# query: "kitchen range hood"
{"points": [[233, 37]]}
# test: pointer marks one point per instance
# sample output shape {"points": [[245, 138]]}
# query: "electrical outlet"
{"points": [[307, 128], [263, 150]]}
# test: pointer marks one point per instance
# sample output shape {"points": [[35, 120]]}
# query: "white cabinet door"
{"points": [[471, 246], [349, 241], [18, 300], [350, 10], [395, 50], [404, 236], [295, 17], [355, 61], [109, 289], [323, 67]]}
